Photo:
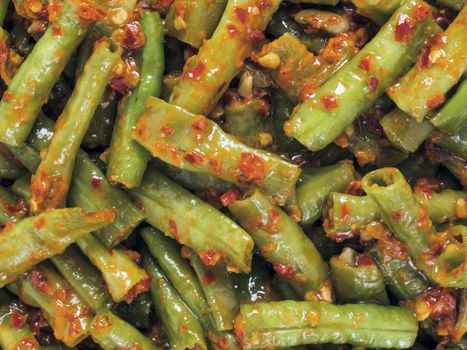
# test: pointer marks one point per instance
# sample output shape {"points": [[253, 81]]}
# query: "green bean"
{"points": [[256, 286], [409, 221], [69, 316], [198, 91], [283, 243], [281, 111], [355, 88], [181, 275], [314, 187], [26, 155], [11, 208], [99, 132], [454, 4], [453, 115], [138, 313], [20, 38], [37, 75], [218, 291], [461, 324], [296, 70], [317, 2], [424, 87], [162, 200], [377, 10], [91, 190], [181, 327], [282, 23], [14, 336], [111, 332], [348, 214], [441, 206], [31, 240], [356, 279], [192, 180], [402, 279], [247, 119], [123, 277], [456, 144], [193, 23], [10, 168], [405, 132], [175, 137], [84, 278], [345, 214], [290, 323], [52, 179], [128, 160]]}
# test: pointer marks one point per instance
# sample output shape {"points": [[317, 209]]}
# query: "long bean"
{"points": [[195, 143], [182, 327], [51, 182], [290, 323], [355, 88], [439, 67], [69, 316], [411, 224], [193, 23], [128, 159], [31, 240], [83, 277], [207, 75], [34, 80], [111, 332], [283, 243], [162, 200]]}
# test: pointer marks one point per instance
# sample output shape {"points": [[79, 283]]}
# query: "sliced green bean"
{"points": [[3, 11], [162, 200], [52, 179], [402, 278], [424, 87], [453, 115], [410, 222], [357, 279], [458, 167], [123, 277], [314, 187], [283, 243], [193, 23], [111, 332], [37, 75], [84, 278], [207, 75], [31, 240], [181, 327], [456, 144], [356, 87], [405, 132], [128, 160], [181, 275], [218, 291], [197, 144], [454, 4], [296, 70], [69, 316], [91, 190], [289, 323]]}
